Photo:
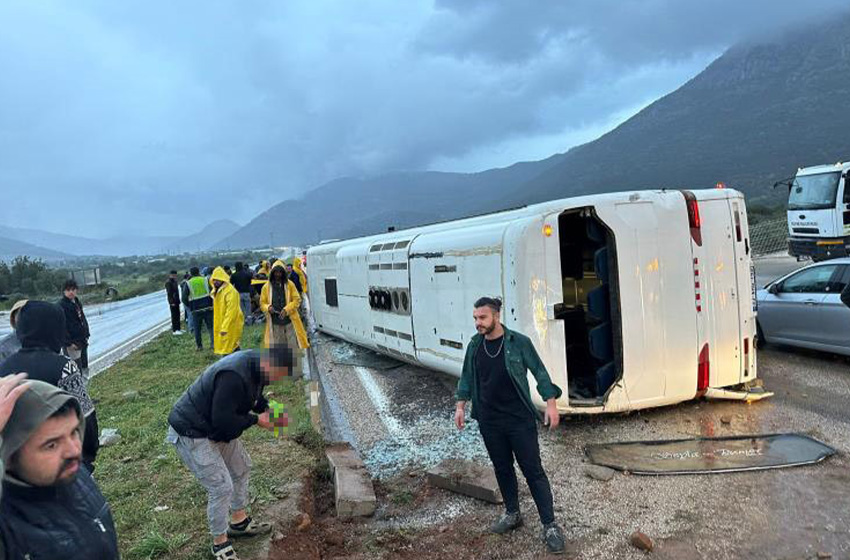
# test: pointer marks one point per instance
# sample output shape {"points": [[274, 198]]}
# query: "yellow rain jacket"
{"points": [[296, 266], [227, 315], [264, 270], [293, 300]]}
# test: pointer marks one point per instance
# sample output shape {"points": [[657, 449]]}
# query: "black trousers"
{"points": [[175, 317], [519, 440], [199, 318]]}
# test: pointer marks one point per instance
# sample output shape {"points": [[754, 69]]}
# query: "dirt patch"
{"points": [[414, 520]]}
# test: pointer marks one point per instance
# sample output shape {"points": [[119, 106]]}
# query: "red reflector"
{"points": [[703, 369], [746, 346], [694, 220]]}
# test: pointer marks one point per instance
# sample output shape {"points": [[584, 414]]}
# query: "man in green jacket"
{"points": [[494, 378]]}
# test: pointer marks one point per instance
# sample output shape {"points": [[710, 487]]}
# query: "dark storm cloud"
{"points": [[160, 117]]}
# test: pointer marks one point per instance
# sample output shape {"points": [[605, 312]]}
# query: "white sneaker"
{"points": [[177, 332]]}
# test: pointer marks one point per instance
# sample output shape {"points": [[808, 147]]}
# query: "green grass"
{"points": [[143, 472]]}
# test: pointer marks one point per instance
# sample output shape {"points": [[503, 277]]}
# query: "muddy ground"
{"points": [[400, 419]]}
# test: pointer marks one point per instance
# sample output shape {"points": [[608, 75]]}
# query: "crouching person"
{"points": [[50, 506], [205, 426], [494, 378]]}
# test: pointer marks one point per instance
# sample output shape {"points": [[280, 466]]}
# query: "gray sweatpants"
{"points": [[223, 469]]}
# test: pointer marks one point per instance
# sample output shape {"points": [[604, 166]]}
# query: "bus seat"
{"points": [[600, 264], [595, 232], [605, 377], [602, 343], [598, 303]]}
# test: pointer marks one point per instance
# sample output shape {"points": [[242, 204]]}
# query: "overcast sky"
{"points": [[158, 117]]}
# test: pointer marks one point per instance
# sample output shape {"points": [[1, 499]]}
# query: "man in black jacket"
{"points": [[41, 329], [172, 292], [49, 506], [76, 327], [205, 425], [241, 280]]}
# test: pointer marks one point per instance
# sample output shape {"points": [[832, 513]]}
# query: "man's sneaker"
{"points": [[177, 332], [553, 536], [506, 523]]}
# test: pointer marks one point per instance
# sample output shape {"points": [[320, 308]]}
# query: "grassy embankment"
{"points": [[143, 472]]}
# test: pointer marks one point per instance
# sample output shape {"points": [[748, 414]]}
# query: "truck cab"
{"points": [[819, 212]]}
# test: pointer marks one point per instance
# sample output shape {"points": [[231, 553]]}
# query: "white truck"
{"points": [[819, 212]]}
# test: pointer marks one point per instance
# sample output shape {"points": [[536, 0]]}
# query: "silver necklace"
{"points": [[499, 351]]}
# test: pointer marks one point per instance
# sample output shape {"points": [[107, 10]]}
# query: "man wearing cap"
{"points": [[205, 426], [495, 379], [10, 343], [49, 506]]}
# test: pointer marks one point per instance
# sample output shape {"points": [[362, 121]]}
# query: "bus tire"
{"points": [[760, 339]]}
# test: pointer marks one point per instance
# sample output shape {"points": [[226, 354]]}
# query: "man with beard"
{"points": [[495, 379], [41, 328], [49, 506]]}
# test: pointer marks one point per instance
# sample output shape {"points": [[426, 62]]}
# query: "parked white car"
{"points": [[804, 308]]}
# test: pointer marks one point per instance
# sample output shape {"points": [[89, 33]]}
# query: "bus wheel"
{"points": [[760, 340]]}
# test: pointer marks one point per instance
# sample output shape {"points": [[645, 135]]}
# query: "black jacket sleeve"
{"points": [[227, 422], [261, 405]]}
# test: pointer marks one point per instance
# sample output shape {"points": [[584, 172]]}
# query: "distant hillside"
{"points": [[204, 239], [71, 245], [752, 117], [11, 248], [357, 206]]}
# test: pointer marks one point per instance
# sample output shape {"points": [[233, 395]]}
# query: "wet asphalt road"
{"points": [[112, 324]]}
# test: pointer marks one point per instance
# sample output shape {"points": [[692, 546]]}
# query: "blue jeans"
{"points": [[199, 318]]}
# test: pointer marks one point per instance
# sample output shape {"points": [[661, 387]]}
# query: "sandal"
{"points": [[224, 551], [248, 528]]}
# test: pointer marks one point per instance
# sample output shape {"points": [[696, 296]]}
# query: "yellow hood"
{"points": [[296, 263], [220, 274], [279, 264]]}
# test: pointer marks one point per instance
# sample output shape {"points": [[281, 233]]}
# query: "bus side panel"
{"points": [[532, 287], [448, 272], [719, 287], [656, 300]]}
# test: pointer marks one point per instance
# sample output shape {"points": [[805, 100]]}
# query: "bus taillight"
{"points": [[694, 220], [703, 369]]}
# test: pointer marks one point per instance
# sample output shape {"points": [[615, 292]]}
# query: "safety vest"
{"points": [[199, 291]]}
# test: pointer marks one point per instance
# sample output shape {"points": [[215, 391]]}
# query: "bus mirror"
{"points": [[773, 289]]}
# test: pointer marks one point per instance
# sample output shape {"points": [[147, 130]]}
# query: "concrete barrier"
{"points": [[354, 494]]}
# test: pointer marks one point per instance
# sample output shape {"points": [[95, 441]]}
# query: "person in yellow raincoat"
{"points": [[296, 266], [280, 301], [227, 314]]}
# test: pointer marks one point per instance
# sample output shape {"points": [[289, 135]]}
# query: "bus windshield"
{"points": [[813, 192]]}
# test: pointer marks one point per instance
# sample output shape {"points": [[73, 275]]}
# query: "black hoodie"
{"points": [[41, 330]]}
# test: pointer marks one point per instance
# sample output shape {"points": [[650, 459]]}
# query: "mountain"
{"points": [[120, 246], [350, 207], [11, 248], [752, 117], [204, 239]]}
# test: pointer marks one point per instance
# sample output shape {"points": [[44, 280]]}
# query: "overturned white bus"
{"points": [[633, 300]]}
